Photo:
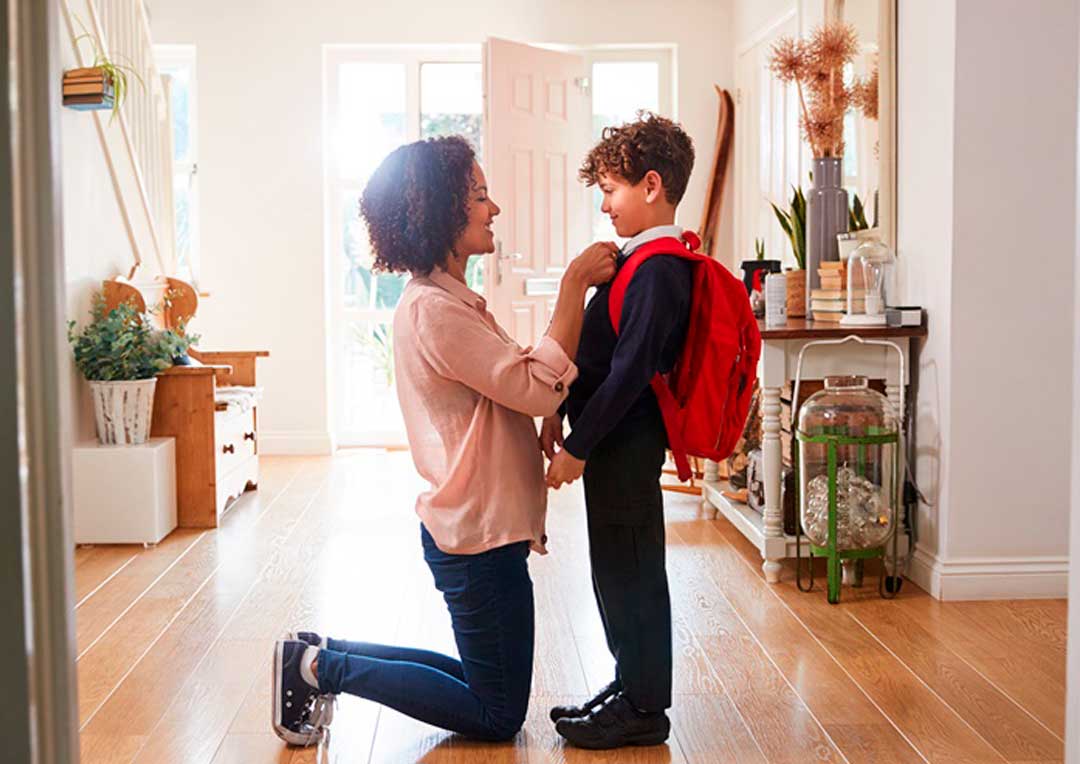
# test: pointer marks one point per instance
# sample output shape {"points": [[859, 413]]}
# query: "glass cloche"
{"points": [[869, 273]]}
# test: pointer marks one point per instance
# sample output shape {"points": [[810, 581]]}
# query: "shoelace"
{"points": [[321, 713]]}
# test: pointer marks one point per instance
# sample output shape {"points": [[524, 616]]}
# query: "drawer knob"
{"points": [[249, 436], [228, 449]]}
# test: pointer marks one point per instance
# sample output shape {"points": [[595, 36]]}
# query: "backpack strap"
{"points": [[669, 407]]}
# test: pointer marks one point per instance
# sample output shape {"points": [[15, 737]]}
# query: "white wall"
{"points": [[925, 94], [1016, 119], [749, 17], [988, 147], [1072, 669], [261, 164]]}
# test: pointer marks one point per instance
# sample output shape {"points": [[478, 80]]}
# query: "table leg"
{"points": [[773, 520], [712, 474], [892, 392]]}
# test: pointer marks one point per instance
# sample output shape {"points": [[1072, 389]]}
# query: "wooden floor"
{"points": [[174, 642]]}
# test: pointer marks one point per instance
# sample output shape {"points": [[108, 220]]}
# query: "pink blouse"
{"points": [[469, 394]]}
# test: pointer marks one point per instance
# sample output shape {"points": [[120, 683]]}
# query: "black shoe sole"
{"points": [[647, 739]]}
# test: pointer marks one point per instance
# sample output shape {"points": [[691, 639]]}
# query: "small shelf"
{"points": [[752, 525], [749, 523]]}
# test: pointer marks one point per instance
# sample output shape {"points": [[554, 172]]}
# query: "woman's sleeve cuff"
{"points": [[553, 365]]}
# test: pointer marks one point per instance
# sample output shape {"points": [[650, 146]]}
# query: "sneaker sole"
{"points": [[293, 738]]}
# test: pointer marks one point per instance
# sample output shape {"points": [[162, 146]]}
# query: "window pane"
{"points": [[357, 260], [451, 102], [474, 274], [180, 103], [183, 219], [619, 90], [370, 402], [371, 117]]}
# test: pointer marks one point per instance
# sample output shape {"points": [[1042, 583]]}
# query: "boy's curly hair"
{"points": [[651, 143], [415, 204]]}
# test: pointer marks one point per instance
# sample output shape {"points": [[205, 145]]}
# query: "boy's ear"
{"points": [[654, 186]]}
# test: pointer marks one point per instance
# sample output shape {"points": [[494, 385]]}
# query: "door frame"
{"points": [[36, 543]]}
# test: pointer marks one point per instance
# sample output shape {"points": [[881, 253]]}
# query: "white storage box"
{"points": [[124, 494]]}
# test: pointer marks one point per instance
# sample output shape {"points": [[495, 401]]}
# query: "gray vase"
{"points": [[826, 215]]}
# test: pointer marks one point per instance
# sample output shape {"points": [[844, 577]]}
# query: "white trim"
{"points": [[185, 56], [764, 32], [989, 578], [295, 443]]}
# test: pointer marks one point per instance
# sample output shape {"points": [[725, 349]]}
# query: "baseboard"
{"points": [[286, 443], [986, 578]]}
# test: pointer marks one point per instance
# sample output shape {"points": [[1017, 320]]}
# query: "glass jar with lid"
{"points": [[848, 463]]}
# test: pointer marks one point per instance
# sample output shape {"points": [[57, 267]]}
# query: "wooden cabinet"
{"points": [[217, 447]]}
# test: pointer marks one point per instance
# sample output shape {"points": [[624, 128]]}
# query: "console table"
{"points": [[779, 356]]}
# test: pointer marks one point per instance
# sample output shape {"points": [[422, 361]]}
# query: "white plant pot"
{"points": [[122, 411]]}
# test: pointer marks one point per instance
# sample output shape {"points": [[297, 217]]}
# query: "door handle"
{"points": [[500, 257]]}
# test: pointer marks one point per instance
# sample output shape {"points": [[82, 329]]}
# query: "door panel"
{"points": [[536, 124]]}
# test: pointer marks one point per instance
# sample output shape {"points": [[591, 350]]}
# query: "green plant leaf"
{"points": [[122, 345]]}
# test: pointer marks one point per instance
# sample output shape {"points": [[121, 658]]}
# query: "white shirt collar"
{"points": [[650, 234]]}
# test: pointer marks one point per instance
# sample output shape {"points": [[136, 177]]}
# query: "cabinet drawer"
{"points": [[234, 439]]}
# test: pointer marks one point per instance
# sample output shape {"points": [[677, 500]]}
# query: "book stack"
{"points": [[88, 89], [828, 303]]}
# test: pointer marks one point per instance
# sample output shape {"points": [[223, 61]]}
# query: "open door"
{"points": [[536, 123]]}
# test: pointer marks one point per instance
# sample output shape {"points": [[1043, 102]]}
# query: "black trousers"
{"points": [[625, 511]]}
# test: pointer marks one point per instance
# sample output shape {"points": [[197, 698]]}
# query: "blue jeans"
{"points": [[485, 694]]}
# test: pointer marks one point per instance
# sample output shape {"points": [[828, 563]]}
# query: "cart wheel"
{"points": [[893, 584]]}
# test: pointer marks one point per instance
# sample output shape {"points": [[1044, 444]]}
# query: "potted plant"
{"points": [[120, 354], [754, 272], [101, 86], [794, 224]]}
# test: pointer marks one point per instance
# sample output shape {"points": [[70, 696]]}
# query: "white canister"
{"points": [[775, 299]]}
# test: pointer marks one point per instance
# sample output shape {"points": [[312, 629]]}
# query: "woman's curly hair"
{"points": [[651, 143], [416, 204]]}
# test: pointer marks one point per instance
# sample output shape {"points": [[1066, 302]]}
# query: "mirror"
{"points": [[869, 156]]}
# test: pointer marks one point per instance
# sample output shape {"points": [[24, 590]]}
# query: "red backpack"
{"points": [[706, 397]]}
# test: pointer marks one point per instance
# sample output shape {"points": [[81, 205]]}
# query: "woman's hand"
{"points": [[596, 265], [564, 468], [551, 434]]}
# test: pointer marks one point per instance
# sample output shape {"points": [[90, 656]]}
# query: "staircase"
{"points": [[137, 143]]}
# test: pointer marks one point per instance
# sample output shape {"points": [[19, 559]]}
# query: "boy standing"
{"points": [[618, 439]]}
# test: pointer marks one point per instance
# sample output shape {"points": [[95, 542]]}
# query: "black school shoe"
{"points": [[614, 725], [576, 712], [299, 711]]}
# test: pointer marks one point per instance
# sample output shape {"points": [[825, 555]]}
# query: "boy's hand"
{"points": [[564, 468], [551, 434], [596, 265]]}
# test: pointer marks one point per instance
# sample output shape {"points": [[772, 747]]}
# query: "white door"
{"points": [[536, 132]]}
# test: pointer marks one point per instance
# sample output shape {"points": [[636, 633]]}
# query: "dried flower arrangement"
{"points": [[816, 66], [866, 95]]}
